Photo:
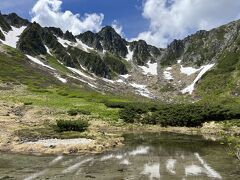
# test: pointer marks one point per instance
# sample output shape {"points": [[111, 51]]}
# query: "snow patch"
{"points": [[65, 43], [179, 61], [83, 46], [125, 76], [167, 75], [129, 56], [79, 79], [12, 37], [60, 78], [48, 51], [120, 81], [141, 89], [104, 51], [151, 68], [168, 68], [189, 70], [152, 170], [37, 61], [74, 70], [107, 80], [203, 69]]}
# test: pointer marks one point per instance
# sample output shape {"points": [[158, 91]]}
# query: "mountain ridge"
{"points": [[137, 66]]}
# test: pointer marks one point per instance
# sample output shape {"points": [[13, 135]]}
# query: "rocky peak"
{"points": [[91, 39], [59, 33], [14, 20], [69, 36], [56, 31], [30, 41], [142, 52], [3, 24], [34, 39], [113, 42]]}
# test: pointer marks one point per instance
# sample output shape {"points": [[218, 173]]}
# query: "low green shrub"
{"points": [[27, 103], [74, 112], [111, 104], [70, 125], [189, 115]]}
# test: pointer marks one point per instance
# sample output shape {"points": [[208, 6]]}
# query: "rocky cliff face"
{"points": [[202, 47], [142, 52], [14, 20], [3, 24]]}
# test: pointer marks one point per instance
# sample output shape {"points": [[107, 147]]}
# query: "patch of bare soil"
{"points": [[15, 117]]}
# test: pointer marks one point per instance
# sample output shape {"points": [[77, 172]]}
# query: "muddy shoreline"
{"points": [[111, 139]]}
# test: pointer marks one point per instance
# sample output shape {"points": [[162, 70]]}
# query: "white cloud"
{"points": [[174, 19], [49, 13], [118, 27]]}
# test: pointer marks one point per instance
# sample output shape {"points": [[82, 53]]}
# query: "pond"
{"points": [[165, 156]]}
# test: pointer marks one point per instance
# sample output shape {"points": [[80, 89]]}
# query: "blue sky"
{"points": [[158, 22], [126, 12]]}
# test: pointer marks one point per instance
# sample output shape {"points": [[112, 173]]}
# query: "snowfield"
{"points": [[129, 56], [203, 69], [79, 79], [48, 51], [168, 75], [141, 89], [74, 70], [37, 61], [60, 78], [189, 70], [83, 46], [64, 43], [151, 68], [12, 37], [125, 76]]}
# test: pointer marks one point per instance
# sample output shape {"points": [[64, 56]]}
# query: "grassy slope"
{"points": [[222, 84], [16, 68], [45, 90]]}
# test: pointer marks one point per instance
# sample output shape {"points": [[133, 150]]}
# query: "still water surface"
{"points": [[164, 156]]}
